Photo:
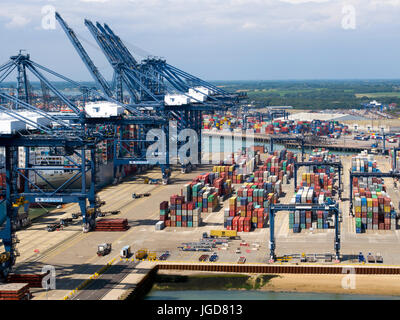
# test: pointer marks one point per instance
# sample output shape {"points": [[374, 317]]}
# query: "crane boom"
{"points": [[85, 57]]}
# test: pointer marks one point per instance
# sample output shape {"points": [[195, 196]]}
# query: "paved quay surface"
{"points": [[73, 253]]}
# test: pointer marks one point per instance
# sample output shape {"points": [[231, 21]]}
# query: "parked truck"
{"points": [[141, 254], [152, 256], [125, 252], [103, 249]]}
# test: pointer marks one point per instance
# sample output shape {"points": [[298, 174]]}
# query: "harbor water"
{"points": [[218, 146]]}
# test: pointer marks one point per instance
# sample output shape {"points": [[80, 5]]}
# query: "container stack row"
{"points": [[278, 165], [372, 206], [251, 202], [180, 214], [395, 159], [247, 166], [303, 219], [200, 196], [320, 182], [317, 127], [374, 211], [364, 163], [323, 155], [241, 210], [229, 172]]}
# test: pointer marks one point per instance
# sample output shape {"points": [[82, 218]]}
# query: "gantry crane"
{"points": [[274, 208], [149, 81]]}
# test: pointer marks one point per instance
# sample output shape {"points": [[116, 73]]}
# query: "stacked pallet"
{"points": [[33, 280], [111, 225], [14, 291]]}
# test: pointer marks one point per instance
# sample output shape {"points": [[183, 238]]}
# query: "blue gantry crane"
{"points": [[72, 135], [149, 82], [273, 209], [123, 79]]}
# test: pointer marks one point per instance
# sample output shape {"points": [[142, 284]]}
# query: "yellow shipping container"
{"points": [[358, 209], [387, 209], [369, 202], [223, 233]]}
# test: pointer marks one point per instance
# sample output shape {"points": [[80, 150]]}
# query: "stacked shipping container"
{"points": [[303, 219], [317, 127], [278, 166], [373, 208], [244, 215]]}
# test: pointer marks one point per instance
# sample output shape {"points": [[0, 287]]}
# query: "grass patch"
{"points": [[210, 282], [378, 95]]}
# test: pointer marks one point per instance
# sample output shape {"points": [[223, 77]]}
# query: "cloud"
{"points": [[100, 1], [304, 1], [17, 22]]}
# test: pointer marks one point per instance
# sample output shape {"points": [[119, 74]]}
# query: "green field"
{"points": [[378, 95], [317, 94]]}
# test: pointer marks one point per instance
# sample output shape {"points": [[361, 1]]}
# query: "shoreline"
{"points": [[368, 285]]}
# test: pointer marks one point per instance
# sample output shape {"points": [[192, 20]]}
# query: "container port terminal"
{"points": [[280, 202]]}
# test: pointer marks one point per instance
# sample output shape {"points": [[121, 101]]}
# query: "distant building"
{"points": [[373, 105]]}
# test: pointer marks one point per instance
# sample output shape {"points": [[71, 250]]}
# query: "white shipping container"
{"points": [[176, 100], [103, 109], [9, 126]]}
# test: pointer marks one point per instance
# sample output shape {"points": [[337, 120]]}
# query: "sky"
{"points": [[217, 39]]}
